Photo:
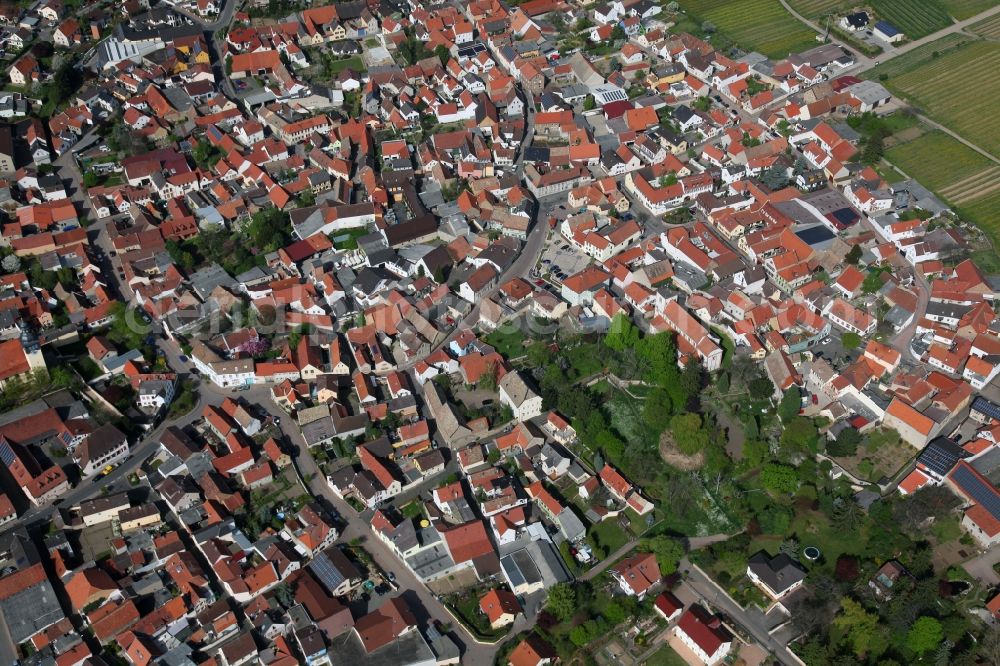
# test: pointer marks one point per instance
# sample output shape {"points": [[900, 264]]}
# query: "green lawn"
{"points": [[348, 239], [755, 25], [508, 340], [607, 536], [354, 63], [665, 656]]}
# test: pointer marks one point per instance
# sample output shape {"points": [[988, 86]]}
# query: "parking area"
{"points": [[560, 259]]}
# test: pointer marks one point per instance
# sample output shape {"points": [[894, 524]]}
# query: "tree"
{"points": [[853, 255], [692, 382], [848, 569], [722, 382], [874, 149], [656, 412], [774, 520], [846, 443], [850, 340], [688, 433], [622, 334], [760, 387], [205, 154], [668, 552], [925, 635], [779, 479], [791, 403], [561, 602], [707, 27], [589, 103], [800, 435], [65, 82], [755, 451], [443, 54], [872, 282], [775, 177], [11, 263], [862, 628]]}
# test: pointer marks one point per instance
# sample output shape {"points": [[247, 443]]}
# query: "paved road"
{"points": [[610, 559], [91, 487], [715, 596], [223, 21], [981, 567]]}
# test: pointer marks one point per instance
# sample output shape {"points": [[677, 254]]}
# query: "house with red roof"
{"points": [[704, 634], [668, 606], [638, 574], [532, 651], [914, 427], [500, 607]]}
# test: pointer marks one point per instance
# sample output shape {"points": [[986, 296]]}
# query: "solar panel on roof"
{"points": [[976, 488], [6, 453], [940, 456], [328, 574], [984, 406]]}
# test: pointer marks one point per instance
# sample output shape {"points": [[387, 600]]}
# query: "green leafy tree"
{"points": [[873, 281], [622, 334], [657, 410], [589, 104], [925, 635], [205, 154], [722, 382], [613, 613], [853, 255], [760, 387], [791, 403], [779, 479], [561, 602], [861, 628], [874, 150], [800, 435], [668, 552], [443, 54], [755, 452], [688, 433], [846, 443]]}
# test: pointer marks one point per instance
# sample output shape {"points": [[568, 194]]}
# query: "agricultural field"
{"points": [[754, 25], [816, 8], [989, 28], [921, 16], [916, 18], [959, 88], [937, 160], [922, 55], [966, 180], [963, 9]]}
